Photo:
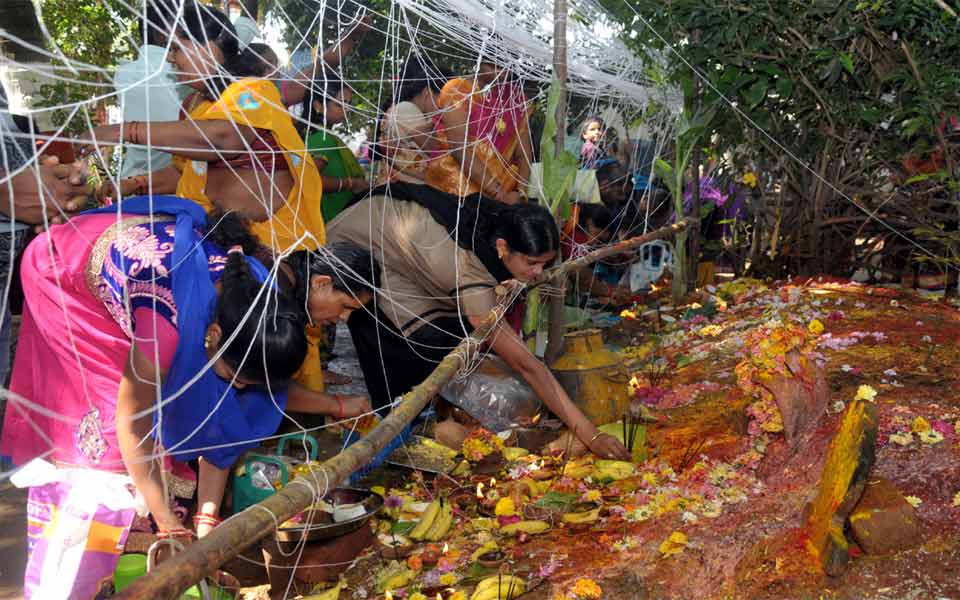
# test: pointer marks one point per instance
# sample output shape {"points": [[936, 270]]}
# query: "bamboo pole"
{"points": [[246, 528], [629, 244], [555, 332]]}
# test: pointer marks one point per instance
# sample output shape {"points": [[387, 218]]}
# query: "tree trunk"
{"points": [[555, 335]]}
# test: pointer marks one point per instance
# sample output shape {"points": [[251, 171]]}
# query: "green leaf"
{"points": [[402, 527], [784, 87], [755, 94], [556, 500], [846, 61], [664, 171]]}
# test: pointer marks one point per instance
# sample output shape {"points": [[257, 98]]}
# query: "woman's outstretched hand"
{"points": [[607, 446]]}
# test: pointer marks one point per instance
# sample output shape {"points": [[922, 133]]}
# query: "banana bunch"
{"points": [[499, 587], [528, 527], [587, 516], [435, 523]]}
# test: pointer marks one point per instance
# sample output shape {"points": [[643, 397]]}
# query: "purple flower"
{"points": [[942, 427], [393, 502], [549, 568]]}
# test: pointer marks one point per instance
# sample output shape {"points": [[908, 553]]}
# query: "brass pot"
{"points": [[593, 376]]}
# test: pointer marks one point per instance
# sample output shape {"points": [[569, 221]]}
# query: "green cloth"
{"points": [[341, 163]]}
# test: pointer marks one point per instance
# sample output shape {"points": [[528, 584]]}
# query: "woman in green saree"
{"points": [[340, 171]]}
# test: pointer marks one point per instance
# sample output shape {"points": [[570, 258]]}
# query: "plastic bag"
{"points": [[498, 401]]}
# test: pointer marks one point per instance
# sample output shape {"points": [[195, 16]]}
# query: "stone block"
{"points": [[883, 522]]}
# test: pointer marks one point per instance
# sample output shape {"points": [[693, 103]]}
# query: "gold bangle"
{"points": [[594, 438]]}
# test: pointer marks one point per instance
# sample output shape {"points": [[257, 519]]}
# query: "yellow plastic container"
{"points": [[593, 376]]}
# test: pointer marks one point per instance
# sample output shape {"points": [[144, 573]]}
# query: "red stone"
{"points": [[883, 522]]}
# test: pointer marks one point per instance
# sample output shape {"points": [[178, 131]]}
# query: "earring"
{"points": [[207, 341]]}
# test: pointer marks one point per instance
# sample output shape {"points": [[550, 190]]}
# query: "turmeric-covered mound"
{"points": [[737, 497]]}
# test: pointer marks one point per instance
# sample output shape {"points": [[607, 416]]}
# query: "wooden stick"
{"points": [[618, 248], [245, 529]]}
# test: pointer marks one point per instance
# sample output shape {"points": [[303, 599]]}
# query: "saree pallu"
{"points": [[256, 103], [495, 126]]}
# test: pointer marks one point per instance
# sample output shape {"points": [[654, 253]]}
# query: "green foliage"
{"points": [[559, 172], [848, 87], [95, 32]]}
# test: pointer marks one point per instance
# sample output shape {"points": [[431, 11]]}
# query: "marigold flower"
{"points": [[750, 179], [505, 507], [920, 425], [674, 544], [815, 327], [585, 589]]}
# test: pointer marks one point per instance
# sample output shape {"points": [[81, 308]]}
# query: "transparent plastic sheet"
{"points": [[495, 396]]}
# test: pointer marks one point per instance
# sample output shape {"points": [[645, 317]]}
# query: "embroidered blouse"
{"points": [[130, 272]]}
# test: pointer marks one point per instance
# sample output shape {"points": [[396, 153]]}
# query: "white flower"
{"points": [[846, 368], [890, 373], [914, 501], [688, 517], [926, 339], [888, 98], [865, 392], [930, 436], [838, 406]]}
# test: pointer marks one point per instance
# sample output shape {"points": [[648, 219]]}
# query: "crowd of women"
{"points": [[179, 325]]}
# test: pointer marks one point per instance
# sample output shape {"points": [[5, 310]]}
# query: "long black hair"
{"points": [[204, 24], [413, 79], [271, 343], [477, 222], [326, 84], [351, 269]]}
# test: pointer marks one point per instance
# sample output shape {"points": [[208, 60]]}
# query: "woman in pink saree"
{"points": [[486, 135]]}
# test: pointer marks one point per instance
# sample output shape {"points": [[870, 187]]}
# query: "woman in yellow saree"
{"points": [[237, 151], [486, 131]]}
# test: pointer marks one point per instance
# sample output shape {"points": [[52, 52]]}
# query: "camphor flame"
{"points": [[480, 490]]}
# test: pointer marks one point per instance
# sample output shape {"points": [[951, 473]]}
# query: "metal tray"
{"points": [[320, 525], [408, 457]]}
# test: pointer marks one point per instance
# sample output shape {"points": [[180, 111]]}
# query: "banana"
{"points": [[486, 548], [329, 594], [530, 527], [441, 525], [577, 469], [613, 469], [438, 447], [511, 454], [426, 520], [499, 587], [588, 516]]}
